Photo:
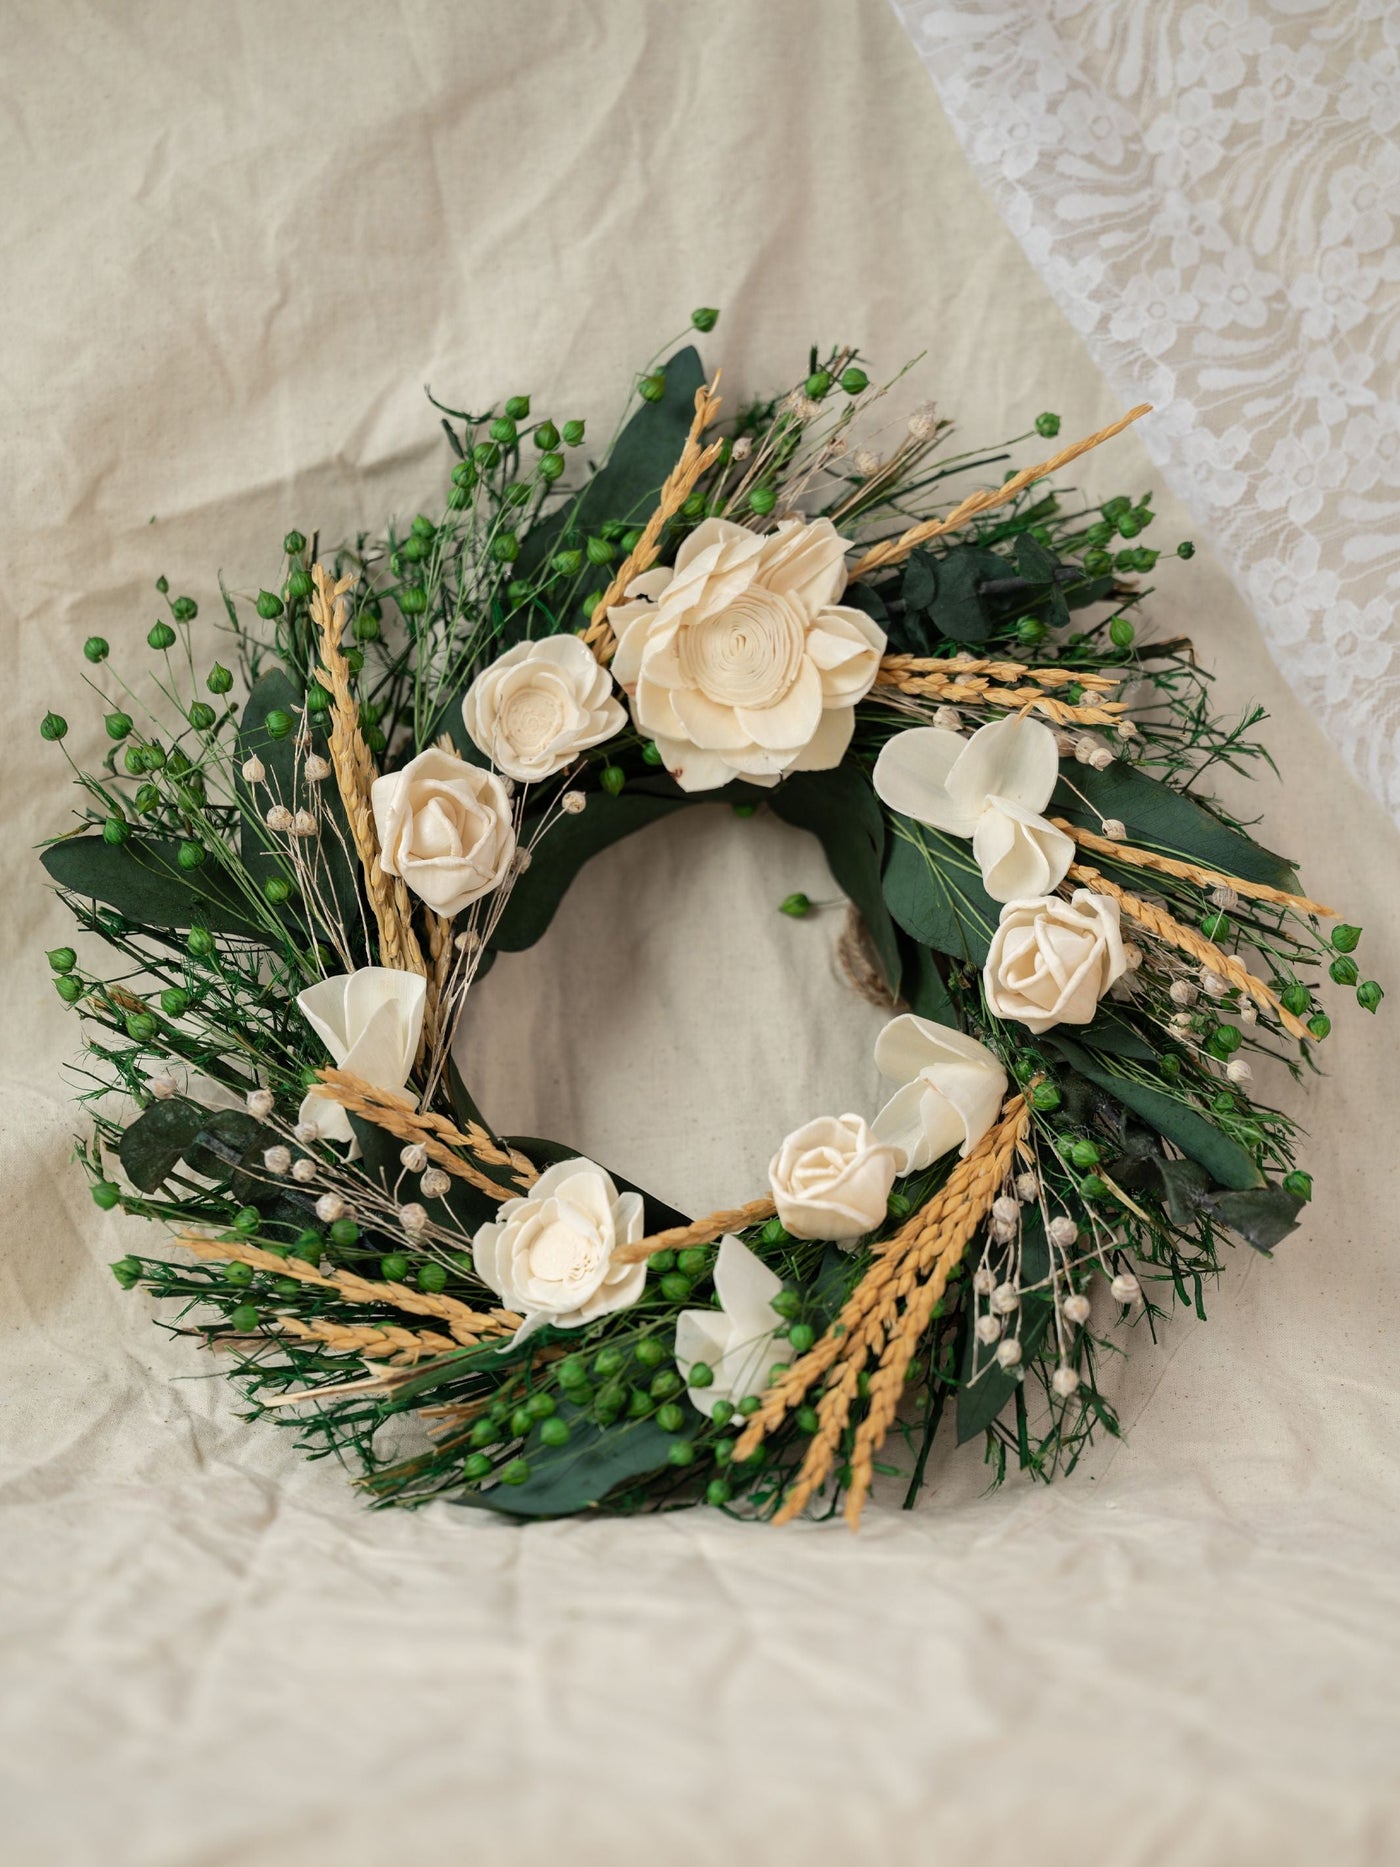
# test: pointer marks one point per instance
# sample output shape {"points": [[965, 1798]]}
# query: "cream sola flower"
{"points": [[950, 1090], [992, 788], [737, 1341], [539, 705], [742, 662], [370, 1021]]}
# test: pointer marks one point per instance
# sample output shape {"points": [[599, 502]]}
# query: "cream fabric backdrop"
{"points": [[238, 240]]}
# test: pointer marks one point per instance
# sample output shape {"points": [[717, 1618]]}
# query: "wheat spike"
{"points": [[1188, 871]]}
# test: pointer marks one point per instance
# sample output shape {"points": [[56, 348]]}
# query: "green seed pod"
{"points": [[53, 726], [551, 466], [682, 1452], [476, 1466], [651, 753], [61, 958], [412, 600], [775, 1233], [717, 1492], [505, 547], [200, 942], [600, 551], [486, 455], [516, 1472], [818, 384], [1047, 426], [1369, 995], [127, 1271], [1320, 1026], [1298, 1183], [854, 381], [415, 550], [567, 563], [518, 408], [701, 1374], [184, 609], [118, 725], [1031, 629], [1045, 1097], [546, 436], [393, 1268], [299, 585], [268, 605], [97, 648], [1186, 550], [432, 1278], [69, 989], [574, 433], [1121, 632], [115, 832], [294, 544], [191, 855], [503, 431], [652, 388], [612, 778], [795, 905], [174, 1002], [704, 317], [675, 1286], [670, 1418], [649, 1352], [277, 889], [762, 500], [202, 716], [1344, 938], [555, 1432], [160, 636], [1344, 970], [106, 1195], [801, 1336]]}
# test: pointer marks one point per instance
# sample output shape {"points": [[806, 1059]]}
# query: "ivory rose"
{"points": [[991, 787], [445, 827], [742, 661], [370, 1021], [832, 1178], [539, 705], [950, 1090], [551, 1256], [738, 1341], [1051, 961]]}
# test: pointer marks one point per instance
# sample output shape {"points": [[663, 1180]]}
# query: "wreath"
{"points": [[302, 858]]}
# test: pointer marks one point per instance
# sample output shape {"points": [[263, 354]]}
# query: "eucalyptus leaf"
{"points": [[1158, 817], [580, 1474], [144, 882], [933, 889], [1262, 1218], [959, 612], [154, 1144], [1228, 1164]]}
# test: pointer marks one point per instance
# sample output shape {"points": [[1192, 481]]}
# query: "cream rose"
{"points": [[1051, 961], [738, 1341], [445, 827], [370, 1021], [832, 1179], [541, 704], [551, 1256], [742, 661]]}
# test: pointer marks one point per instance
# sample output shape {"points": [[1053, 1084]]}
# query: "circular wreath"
{"points": [[1085, 954]]}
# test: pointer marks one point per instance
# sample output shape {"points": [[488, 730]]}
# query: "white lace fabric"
{"points": [[1211, 191]]}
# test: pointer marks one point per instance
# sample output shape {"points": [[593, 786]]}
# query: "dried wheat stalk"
{"points": [[437, 1135], [1187, 871], [354, 774], [895, 550], [404, 1347], [1186, 940], [700, 1232], [695, 461]]}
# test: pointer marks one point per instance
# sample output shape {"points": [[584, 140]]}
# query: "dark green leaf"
{"points": [[142, 880], [934, 891], [980, 1401], [1225, 1160], [840, 809], [156, 1141], [573, 1477], [959, 613], [922, 984], [1157, 817], [920, 582], [1112, 1033], [1262, 1218]]}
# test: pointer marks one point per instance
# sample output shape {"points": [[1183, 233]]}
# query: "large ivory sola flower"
{"points": [[736, 1342], [445, 827], [542, 703], [1051, 961], [991, 787], [370, 1021], [950, 1090], [742, 661], [552, 1255], [832, 1179]]}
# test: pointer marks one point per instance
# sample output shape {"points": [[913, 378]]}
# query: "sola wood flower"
{"points": [[445, 828], [1051, 961], [951, 1090], [541, 704], [736, 1341], [551, 1255], [742, 662], [832, 1179], [370, 1021], [991, 787]]}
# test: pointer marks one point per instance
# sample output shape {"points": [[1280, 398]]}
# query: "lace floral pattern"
{"points": [[1211, 190]]}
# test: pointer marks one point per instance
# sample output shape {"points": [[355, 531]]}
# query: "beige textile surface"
{"points": [[237, 240]]}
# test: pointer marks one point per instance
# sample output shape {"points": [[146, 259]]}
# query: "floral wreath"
{"points": [[1084, 953]]}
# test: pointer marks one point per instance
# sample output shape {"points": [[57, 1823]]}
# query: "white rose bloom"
{"points": [[742, 661], [541, 704], [370, 1021], [832, 1178], [1051, 961], [737, 1342], [991, 787], [550, 1256], [445, 827], [950, 1093]]}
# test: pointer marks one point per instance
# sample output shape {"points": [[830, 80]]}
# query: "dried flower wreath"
{"points": [[1084, 952]]}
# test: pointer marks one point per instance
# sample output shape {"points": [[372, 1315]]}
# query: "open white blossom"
{"points": [[539, 705], [950, 1090], [992, 788], [552, 1256], [742, 661], [737, 1341], [370, 1021]]}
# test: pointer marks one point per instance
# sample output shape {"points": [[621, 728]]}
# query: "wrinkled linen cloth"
{"points": [[238, 241]]}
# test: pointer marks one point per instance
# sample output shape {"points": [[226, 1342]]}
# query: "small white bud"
{"points": [[923, 423], [254, 771], [1009, 1353], [1181, 1024], [1239, 1071], [259, 1103], [277, 1159], [307, 1133], [1125, 1288], [435, 1183], [1085, 748], [304, 1171], [414, 1157], [803, 406], [1005, 1299], [1101, 760], [304, 824], [161, 1087], [988, 1329], [1075, 1309], [1125, 729], [573, 802], [329, 1208], [413, 1218], [1183, 992], [1065, 744], [466, 943], [1224, 898], [1248, 1012], [1006, 1208], [1114, 829], [1212, 983], [317, 769], [837, 446], [866, 463], [1065, 1382], [522, 861], [1063, 1232], [1027, 1185], [743, 447], [948, 719], [984, 1280], [1134, 955], [279, 818], [1002, 1230]]}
